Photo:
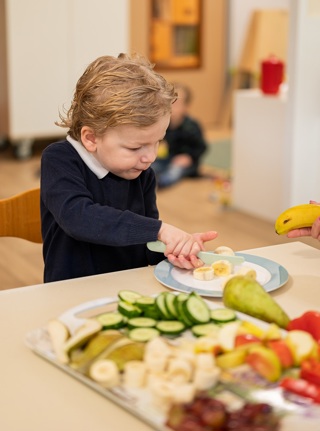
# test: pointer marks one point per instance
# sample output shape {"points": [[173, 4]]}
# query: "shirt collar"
{"points": [[88, 159]]}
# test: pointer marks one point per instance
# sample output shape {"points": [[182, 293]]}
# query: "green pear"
{"points": [[248, 296]]}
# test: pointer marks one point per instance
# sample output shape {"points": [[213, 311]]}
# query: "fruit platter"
{"points": [[180, 362]]}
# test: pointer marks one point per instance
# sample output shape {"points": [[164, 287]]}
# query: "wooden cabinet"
{"points": [[176, 33], [44, 48]]}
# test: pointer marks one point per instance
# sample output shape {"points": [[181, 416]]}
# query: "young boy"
{"points": [[184, 143], [98, 201]]}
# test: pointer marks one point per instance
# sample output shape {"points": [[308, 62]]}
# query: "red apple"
{"points": [[243, 340], [265, 362], [282, 350]]}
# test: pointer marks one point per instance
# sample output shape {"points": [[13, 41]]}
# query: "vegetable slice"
{"points": [[129, 296], [143, 335], [223, 315]]}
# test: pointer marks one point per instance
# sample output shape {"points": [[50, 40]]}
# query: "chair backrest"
{"points": [[20, 216]]}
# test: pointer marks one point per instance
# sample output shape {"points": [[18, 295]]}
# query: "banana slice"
{"points": [[205, 360], [206, 378], [205, 273], [227, 251], [222, 268], [248, 272], [105, 372], [134, 374], [179, 370], [183, 393]]}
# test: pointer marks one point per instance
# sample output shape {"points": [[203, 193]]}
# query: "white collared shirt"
{"points": [[88, 159]]}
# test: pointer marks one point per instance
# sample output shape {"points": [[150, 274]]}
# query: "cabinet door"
{"points": [[186, 11], [37, 64]]}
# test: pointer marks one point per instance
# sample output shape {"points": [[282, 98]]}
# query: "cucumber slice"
{"points": [[152, 311], [206, 329], [182, 317], [181, 297], [223, 315], [128, 310], [170, 327], [143, 335], [144, 302], [112, 320], [129, 296], [160, 303], [196, 309], [169, 304], [141, 322]]}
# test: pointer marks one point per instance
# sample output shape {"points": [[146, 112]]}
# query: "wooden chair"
{"points": [[20, 216]]}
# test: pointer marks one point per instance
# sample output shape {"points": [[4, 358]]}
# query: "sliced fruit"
{"points": [[301, 344], [222, 268], [105, 372], [83, 334], [273, 332], [95, 346], [282, 350], [247, 327], [205, 273], [265, 362], [59, 334], [231, 359], [247, 340], [129, 351], [227, 335]]}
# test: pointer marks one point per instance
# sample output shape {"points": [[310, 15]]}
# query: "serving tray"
{"points": [[235, 387]]}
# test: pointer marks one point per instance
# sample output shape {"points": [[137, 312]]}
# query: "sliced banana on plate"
{"points": [[222, 268], [204, 273], [224, 250]]}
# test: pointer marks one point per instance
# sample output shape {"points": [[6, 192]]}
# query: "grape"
{"points": [[208, 414]]}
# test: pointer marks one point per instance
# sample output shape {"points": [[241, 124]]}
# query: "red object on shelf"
{"points": [[272, 73]]}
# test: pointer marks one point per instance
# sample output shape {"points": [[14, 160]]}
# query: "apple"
{"points": [[247, 327], [302, 345], [282, 350], [246, 340], [227, 335], [231, 359], [273, 332], [265, 362]]}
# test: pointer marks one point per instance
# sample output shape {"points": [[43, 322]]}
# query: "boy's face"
{"points": [[126, 150]]}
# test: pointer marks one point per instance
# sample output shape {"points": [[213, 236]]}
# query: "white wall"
{"points": [[239, 17], [302, 146]]}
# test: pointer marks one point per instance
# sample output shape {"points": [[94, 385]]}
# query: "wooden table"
{"points": [[36, 396]]}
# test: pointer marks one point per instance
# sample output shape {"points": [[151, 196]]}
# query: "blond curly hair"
{"points": [[114, 91]]}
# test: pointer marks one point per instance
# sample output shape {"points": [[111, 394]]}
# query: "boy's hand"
{"points": [[182, 248]]}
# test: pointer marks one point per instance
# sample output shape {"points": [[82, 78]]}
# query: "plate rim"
{"points": [[269, 286]]}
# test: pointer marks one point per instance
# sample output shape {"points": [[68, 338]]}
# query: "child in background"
{"points": [[98, 201], [183, 144]]}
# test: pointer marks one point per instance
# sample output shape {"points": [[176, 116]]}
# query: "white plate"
{"points": [[270, 275]]}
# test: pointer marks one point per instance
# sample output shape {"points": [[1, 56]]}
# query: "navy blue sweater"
{"points": [[91, 225]]}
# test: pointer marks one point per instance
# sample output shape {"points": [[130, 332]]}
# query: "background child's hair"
{"points": [[114, 91]]}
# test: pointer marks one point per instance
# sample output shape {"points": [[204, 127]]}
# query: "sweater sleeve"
{"points": [[110, 211]]}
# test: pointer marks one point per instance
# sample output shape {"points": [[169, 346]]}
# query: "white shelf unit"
{"points": [[258, 153], [45, 47]]}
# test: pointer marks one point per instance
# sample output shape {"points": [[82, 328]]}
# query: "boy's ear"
{"points": [[88, 139]]}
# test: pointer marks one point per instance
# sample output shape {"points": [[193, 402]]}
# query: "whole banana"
{"points": [[297, 217]]}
